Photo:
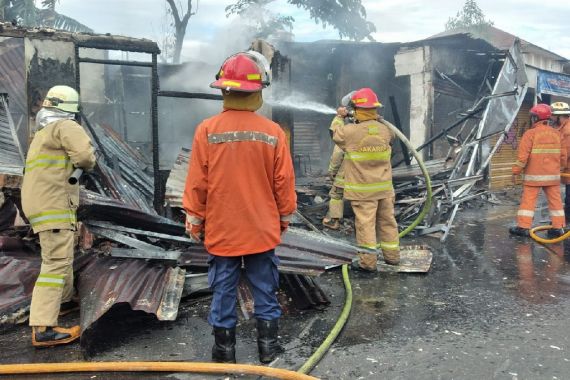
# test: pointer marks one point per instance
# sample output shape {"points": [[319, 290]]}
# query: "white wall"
{"points": [[417, 64]]}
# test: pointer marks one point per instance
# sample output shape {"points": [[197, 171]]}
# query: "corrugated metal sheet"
{"points": [[122, 170], [177, 179], [93, 206], [13, 78], [301, 252], [11, 153], [147, 286]]}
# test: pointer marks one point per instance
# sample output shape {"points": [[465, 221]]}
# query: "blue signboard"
{"points": [[553, 84]]}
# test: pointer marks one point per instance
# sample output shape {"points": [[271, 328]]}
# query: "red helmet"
{"points": [[365, 98], [541, 111], [240, 72]]}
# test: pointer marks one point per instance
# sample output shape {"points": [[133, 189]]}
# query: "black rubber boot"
{"points": [[555, 233], [267, 341], [519, 231], [224, 349]]}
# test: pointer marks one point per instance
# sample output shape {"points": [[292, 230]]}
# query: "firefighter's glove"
{"points": [[195, 231]]}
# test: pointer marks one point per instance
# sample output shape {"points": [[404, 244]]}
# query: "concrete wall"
{"points": [[416, 63]]}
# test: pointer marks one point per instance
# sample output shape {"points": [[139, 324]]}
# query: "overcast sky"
{"points": [[546, 24]]}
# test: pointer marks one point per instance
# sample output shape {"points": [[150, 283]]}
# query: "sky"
{"points": [[545, 24]]}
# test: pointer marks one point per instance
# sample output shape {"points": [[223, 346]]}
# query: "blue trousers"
{"points": [[223, 277]]}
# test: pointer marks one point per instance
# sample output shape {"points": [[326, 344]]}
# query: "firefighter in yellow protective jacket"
{"points": [[50, 202], [368, 181], [336, 173]]}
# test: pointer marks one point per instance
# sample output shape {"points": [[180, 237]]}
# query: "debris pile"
{"points": [[130, 254]]}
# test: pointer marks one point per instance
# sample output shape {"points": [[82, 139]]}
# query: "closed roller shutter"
{"points": [[500, 172], [307, 142]]}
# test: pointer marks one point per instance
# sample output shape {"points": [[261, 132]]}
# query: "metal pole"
{"points": [[158, 196]]}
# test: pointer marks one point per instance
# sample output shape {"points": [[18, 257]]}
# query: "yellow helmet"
{"points": [[63, 98], [560, 108]]}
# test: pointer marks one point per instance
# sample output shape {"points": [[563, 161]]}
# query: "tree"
{"points": [[180, 24], [348, 17], [25, 12], [470, 15]]}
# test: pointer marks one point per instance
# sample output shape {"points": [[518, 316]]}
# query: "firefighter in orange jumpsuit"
{"points": [[368, 181], [561, 121], [540, 159], [240, 192]]}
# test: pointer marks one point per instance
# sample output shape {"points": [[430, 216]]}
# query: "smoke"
{"points": [[300, 102]]}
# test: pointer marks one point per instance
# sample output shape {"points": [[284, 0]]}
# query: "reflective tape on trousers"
{"points": [[557, 213], [55, 216], [242, 136], [51, 280], [525, 213], [369, 187], [540, 178], [389, 245], [368, 156]]}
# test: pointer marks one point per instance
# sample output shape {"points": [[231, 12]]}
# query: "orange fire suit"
{"points": [[336, 171], [540, 158], [240, 183], [368, 185]]}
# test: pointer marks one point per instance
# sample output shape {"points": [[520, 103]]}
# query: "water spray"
{"points": [[299, 102]]}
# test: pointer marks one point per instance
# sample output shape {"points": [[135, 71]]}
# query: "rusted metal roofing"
{"points": [[103, 282], [19, 268]]}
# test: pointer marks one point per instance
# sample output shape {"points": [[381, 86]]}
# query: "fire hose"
{"points": [[222, 368]]}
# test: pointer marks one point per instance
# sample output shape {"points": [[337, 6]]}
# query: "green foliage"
{"points": [[25, 12], [469, 15], [348, 17]]}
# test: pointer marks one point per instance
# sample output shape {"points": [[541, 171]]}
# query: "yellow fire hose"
{"points": [[216, 368], [537, 238], [222, 368]]}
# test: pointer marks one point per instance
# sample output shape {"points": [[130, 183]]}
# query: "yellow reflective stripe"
{"points": [[369, 187], [54, 276], [368, 246], [253, 76], [545, 151], [360, 100], [389, 245], [51, 280], [336, 201], [44, 160], [48, 284], [373, 130], [47, 217], [369, 156], [230, 83]]}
